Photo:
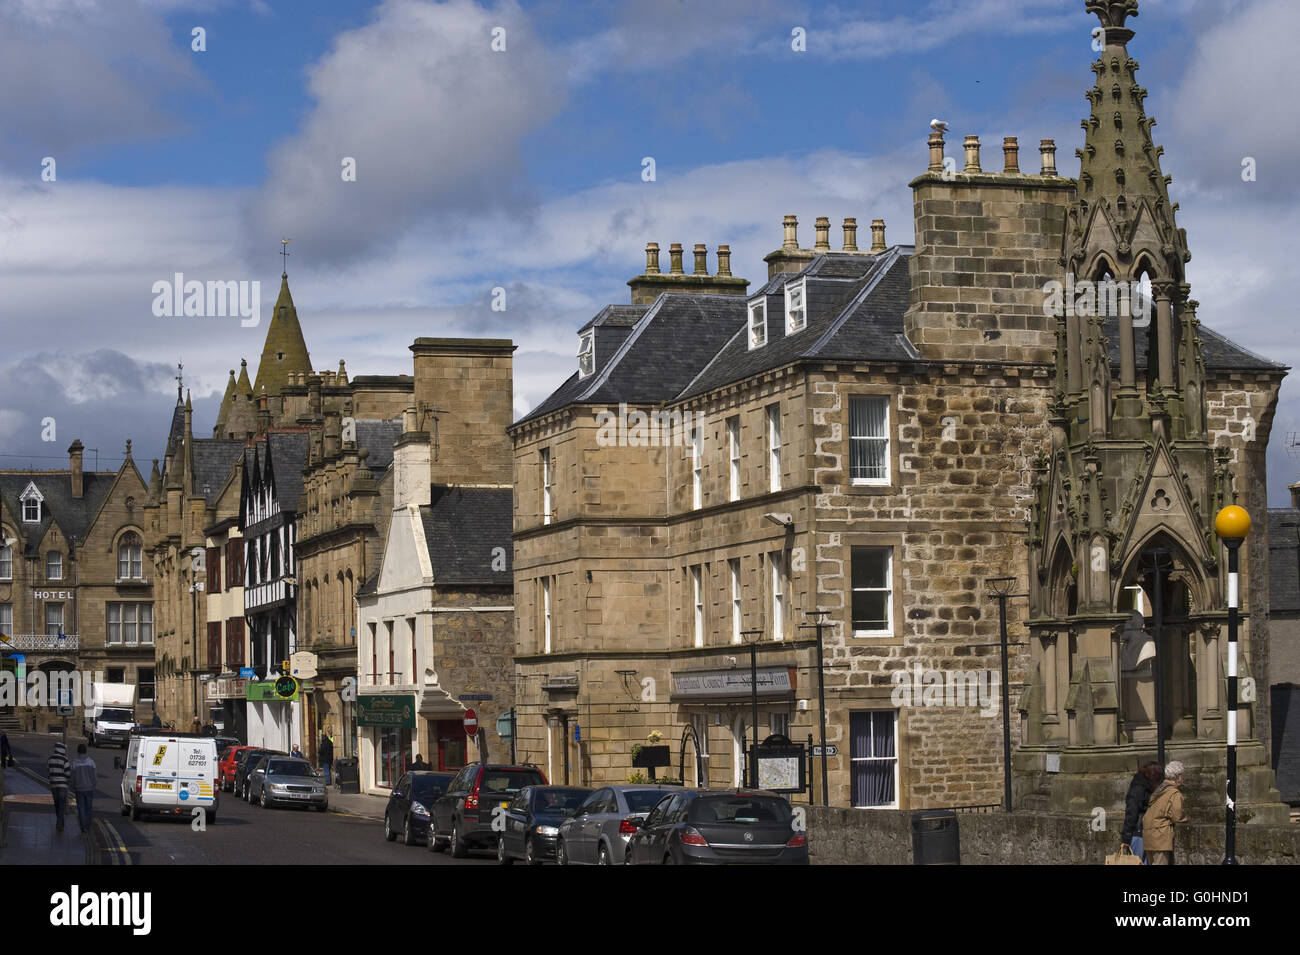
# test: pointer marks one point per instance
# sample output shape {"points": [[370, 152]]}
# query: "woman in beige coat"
{"points": [[1164, 812]]}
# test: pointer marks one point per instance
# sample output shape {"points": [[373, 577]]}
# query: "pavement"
{"points": [[28, 831], [360, 805]]}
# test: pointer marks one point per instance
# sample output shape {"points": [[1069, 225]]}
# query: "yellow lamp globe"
{"points": [[1232, 523]]}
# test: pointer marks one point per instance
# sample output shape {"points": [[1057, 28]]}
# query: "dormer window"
{"points": [[32, 501], [586, 354], [757, 323], [796, 308]]}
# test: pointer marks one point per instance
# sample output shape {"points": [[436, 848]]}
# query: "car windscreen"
{"points": [[116, 716], [289, 767], [510, 780], [642, 800], [743, 810], [426, 787], [558, 800], [249, 756]]}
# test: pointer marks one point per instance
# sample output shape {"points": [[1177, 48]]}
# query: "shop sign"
{"points": [[733, 683], [395, 711], [265, 692]]}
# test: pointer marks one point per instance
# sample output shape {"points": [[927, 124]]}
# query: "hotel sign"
{"points": [[54, 594], [734, 683], [396, 711]]}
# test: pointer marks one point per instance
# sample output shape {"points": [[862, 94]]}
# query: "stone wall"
{"points": [[884, 837]]}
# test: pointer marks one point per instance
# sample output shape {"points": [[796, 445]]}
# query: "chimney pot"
{"points": [[652, 258], [76, 477], [791, 226], [936, 151], [724, 260], [675, 259], [877, 235], [850, 234], [972, 147], [1047, 149], [701, 259], [823, 240], [1010, 154]]}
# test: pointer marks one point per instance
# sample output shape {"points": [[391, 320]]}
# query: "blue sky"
{"points": [[522, 168]]}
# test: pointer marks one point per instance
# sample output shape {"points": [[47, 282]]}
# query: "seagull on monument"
{"points": [[938, 125]]}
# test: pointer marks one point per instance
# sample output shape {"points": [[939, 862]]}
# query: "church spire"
{"points": [[285, 351]]}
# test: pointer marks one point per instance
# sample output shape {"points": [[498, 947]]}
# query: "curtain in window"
{"points": [[872, 757], [869, 442]]}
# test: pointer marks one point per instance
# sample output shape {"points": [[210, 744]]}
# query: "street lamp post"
{"points": [[1232, 524], [821, 694], [1001, 587], [751, 764]]}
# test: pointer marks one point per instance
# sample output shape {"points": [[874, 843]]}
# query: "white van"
{"points": [[171, 774]]}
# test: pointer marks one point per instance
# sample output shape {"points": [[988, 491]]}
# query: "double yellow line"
{"points": [[112, 844]]}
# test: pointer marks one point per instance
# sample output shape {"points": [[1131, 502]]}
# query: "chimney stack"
{"points": [[1047, 149], [701, 259], [878, 235], [850, 234], [412, 463], [74, 467], [1010, 154], [652, 258], [972, 147], [823, 229], [724, 260], [675, 259], [936, 151], [791, 226]]}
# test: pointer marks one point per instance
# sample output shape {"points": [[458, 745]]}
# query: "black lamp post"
{"points": [[1232, 524], [1001, 588], [819, 626]]}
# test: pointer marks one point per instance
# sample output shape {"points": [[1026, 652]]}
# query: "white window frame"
{"points": [[774, 447], [733, 456], [697, 591], [58, 626], [586, 354], [884, 438], [757, 333], [546, 614], [6, 559], [53, 565], [6, 619], [792, 289], [888, 590], [737, 617], [152, 682], [779, 596], [868, 759], [697, 467], [130, 551], [31, 498], [547, 502]]}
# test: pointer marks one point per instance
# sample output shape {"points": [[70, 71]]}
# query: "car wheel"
{"points": [[388, 829], [435, 843], [458, 848], [668, 859], [561, 853], [408, 837], [262, 802], [503, 858], [530, 853], [602, 858], [126, 809], [135, 813], [323, 807]]}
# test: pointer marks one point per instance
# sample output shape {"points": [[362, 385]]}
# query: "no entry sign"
{"points": [[471, 723]]}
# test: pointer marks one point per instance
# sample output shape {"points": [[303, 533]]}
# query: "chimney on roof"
{"points": [[972, 147], [791, 226], [878, 235], [647, 286], [652, 258], [412, 463], [1010, 154], [822, 226], [675, 259], [850, 234], [724, 261], [74, 468], [1047, 149], [701, 259], [936, 151]]}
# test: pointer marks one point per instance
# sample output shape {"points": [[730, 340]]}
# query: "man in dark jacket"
{"points": [[419, 765], [1144, 783], [326, 752]]}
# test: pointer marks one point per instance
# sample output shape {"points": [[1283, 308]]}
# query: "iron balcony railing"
{"points": [[40, 641]]}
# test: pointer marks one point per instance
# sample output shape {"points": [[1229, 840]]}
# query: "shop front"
{"points": [[227, 699], [386, 729], [273, 713]]}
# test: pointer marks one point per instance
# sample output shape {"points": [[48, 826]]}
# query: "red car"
{"points": [[226, 766]]}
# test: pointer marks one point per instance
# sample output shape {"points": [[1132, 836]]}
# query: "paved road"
{"points": [[242, 834]]}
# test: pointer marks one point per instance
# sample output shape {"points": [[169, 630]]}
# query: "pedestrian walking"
{"points": [[1145, 780], [157, 721], [296, 752], [1165, 811], [6, 754], [58, 770], [326, 750], [84, 775]]}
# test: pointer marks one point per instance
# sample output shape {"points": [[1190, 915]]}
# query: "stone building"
{"points": [[866, 439], [1284, 641], [75, 595], [436, 622]]}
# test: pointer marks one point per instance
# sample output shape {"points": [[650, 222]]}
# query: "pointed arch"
{"points": [[1161, 536]]}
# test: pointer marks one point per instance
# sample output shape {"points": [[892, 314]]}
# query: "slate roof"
{"points": [[1283, 560], [73, 516], [213, 459], [377, 436], [288, 459], [624, 316], [462, 527], [684, 345]]}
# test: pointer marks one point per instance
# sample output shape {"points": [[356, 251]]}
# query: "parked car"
{"points": [[227, 765], [246, 763], [284, 779], [718, 827], [409, 804], [597, 832], [532, 822], [462, 816]]}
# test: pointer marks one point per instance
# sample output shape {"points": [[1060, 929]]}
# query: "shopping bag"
{"points": [[1125, 856]]}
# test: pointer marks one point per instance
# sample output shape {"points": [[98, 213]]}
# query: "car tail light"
{"points": [[139, 784], [627, 827], [692, 837], [471, 801], [797, 841]]}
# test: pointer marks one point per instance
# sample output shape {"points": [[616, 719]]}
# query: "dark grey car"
{"points": [[598, 831]]}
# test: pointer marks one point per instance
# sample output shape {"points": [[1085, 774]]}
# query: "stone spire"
{"points": [[285, 351], [227, 400]]}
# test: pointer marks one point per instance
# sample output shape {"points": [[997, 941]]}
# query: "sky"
{"points": [[144, 138]]}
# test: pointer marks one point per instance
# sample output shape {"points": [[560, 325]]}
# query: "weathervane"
{"points": [[284, 254]]}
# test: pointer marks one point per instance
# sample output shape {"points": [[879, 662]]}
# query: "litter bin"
{"points": [[347, 773], [934, 837]]}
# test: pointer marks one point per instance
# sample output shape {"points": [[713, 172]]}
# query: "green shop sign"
{"points": [[395, 711], [267, 692]]}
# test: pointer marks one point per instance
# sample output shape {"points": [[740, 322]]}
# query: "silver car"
{"points": [[597, 832], [282, 780]]}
